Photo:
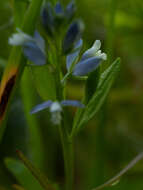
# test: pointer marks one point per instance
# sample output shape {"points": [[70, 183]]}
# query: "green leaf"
{"points": [[105, 82], [22, 174], [29, 100], [44, 82], [19, 11], [91, 85], [2, 63]]}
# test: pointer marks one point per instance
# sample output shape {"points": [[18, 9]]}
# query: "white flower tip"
{"points": [[19, 38], [103, 56], [55, 107], [56, 118], [97, 45]]}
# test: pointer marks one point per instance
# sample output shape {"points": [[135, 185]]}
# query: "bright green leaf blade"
{"points": [[97, 100], [35, 145], [19, 11], [44, 82], [22, 174]]}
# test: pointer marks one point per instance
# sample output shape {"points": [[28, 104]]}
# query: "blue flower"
{"points": [[73, 56], [33, 47], [72, 36], [47, 18], [70, 10], [59, 11], [54, 16], [55, 108], [35, 51], [90, 60]]}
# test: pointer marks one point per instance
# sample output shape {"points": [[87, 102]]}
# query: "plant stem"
{"points": [[68, 156], [67, 143]]}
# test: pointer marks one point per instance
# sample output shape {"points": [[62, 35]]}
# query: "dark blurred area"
{"points": [[115, 135]]}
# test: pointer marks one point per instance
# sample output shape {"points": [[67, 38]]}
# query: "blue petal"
{"points": [[71, 58], [41, 107], [73, 103], [34, 53], [86, 66], [40, 41], [70, 10], [79, 44], [86, 56], [73, 34], [58, 9], [47, 17]]}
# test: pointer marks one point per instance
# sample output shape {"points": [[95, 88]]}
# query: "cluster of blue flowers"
{"points": [[53, 17]]}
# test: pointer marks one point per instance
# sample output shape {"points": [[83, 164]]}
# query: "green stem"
{"points": [[67, 143], [68, 157]]}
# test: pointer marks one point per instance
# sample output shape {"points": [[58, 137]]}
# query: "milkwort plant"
{"points": [[57, 47]]}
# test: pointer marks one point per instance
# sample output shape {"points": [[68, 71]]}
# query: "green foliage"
{"points": [[113, 136], [22, 174], [19, 8], [44, 82], [91, 84], [105, 82]]}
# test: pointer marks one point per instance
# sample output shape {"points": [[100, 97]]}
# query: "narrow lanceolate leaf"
{"points": [[15, 64], [97, 100], [114, 181], [44, 182]]}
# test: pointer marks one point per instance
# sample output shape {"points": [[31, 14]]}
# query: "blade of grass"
{"points": [[19, 8], [45, 183], [35, 144], [116, 178], [22, 175]]}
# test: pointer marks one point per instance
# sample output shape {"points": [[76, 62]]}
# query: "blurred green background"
{"points": [[115, 135]]}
